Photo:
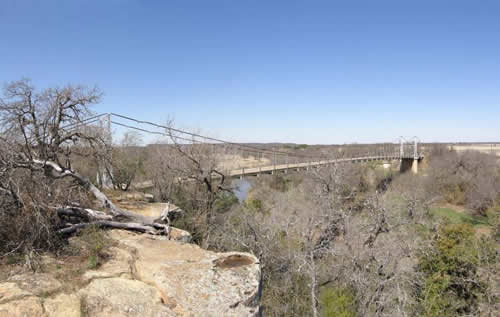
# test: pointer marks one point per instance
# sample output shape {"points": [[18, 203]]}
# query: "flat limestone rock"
{"points": [[117, 266], [144, 276], [26, 307], [63, 305], [11, 291], [180, 235], [40, 284], [122, 297], [196, 282]]}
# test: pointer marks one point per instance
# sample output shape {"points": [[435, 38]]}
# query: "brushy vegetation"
{"points": [[469, 179], [254, 204], [279, 183], [393, 245], [451, 269], [95, 241], [379, 238], [296, 146], [338, 302], [224, 201], [458, 217]]}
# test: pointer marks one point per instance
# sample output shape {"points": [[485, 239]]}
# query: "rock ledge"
{"points": [[145, 276]]}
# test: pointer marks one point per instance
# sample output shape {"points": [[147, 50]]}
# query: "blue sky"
{"points": [[261, 71]]}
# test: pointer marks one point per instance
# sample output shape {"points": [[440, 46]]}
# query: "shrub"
{"points": [[254, 204], [286, 294], [95, 240], [337, 302], [494, 219], [470, 178], [127, 161], [27, 226], [279, 183], [450, 268], [224, 201]]}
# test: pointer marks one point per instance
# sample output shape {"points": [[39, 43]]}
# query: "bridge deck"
{"points": [[283, 167]]}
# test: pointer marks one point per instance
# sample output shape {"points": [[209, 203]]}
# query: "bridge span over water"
{"points": [[406, 162], [406, 152]]}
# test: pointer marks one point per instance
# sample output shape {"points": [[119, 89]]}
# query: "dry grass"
{"points": [[69, 271], [460, 216], [231, 162], [70, 263], [483, 148]]}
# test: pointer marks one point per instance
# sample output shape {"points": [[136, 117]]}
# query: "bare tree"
{"points": [[40, 134], [293, 235], [127, 160], [194, 165], [470, 178], [369, 241]]}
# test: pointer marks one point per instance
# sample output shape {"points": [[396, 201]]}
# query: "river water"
{"points": [[241, 188]]}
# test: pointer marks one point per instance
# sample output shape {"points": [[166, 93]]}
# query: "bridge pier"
{"points": [[409, 164], [405, 165], [414, 166]]}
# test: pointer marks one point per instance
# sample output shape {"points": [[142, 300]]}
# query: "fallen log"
{"points": [[112, 216], [156, 229]]}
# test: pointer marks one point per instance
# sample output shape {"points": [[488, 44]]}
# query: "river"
{"points": [[241, 188]]}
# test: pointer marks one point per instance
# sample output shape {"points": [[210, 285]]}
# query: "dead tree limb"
{"points": [[155, 229], [38, 131]]}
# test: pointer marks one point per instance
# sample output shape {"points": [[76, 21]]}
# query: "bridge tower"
{"points": [[401, 153], [408, 155], [414, 165]]}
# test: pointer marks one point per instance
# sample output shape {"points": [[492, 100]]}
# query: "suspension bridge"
{"points": [[256, 171], [403, 150]]}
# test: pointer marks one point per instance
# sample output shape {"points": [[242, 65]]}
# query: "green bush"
{"points": [[254, 204], [224, 201], [450, 268], [95, 241], [93, 261], [286, 294], [454, 193], [493, 216], [337, 302], [454, 216]]}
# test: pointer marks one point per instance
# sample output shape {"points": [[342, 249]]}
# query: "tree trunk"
{"points": [[313, 285], [113, 216]]}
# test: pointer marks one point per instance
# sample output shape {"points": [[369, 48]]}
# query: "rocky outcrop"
{"points": [[193, 281], [63, 305], [123, 297], [144, 276], [31, 306]]}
